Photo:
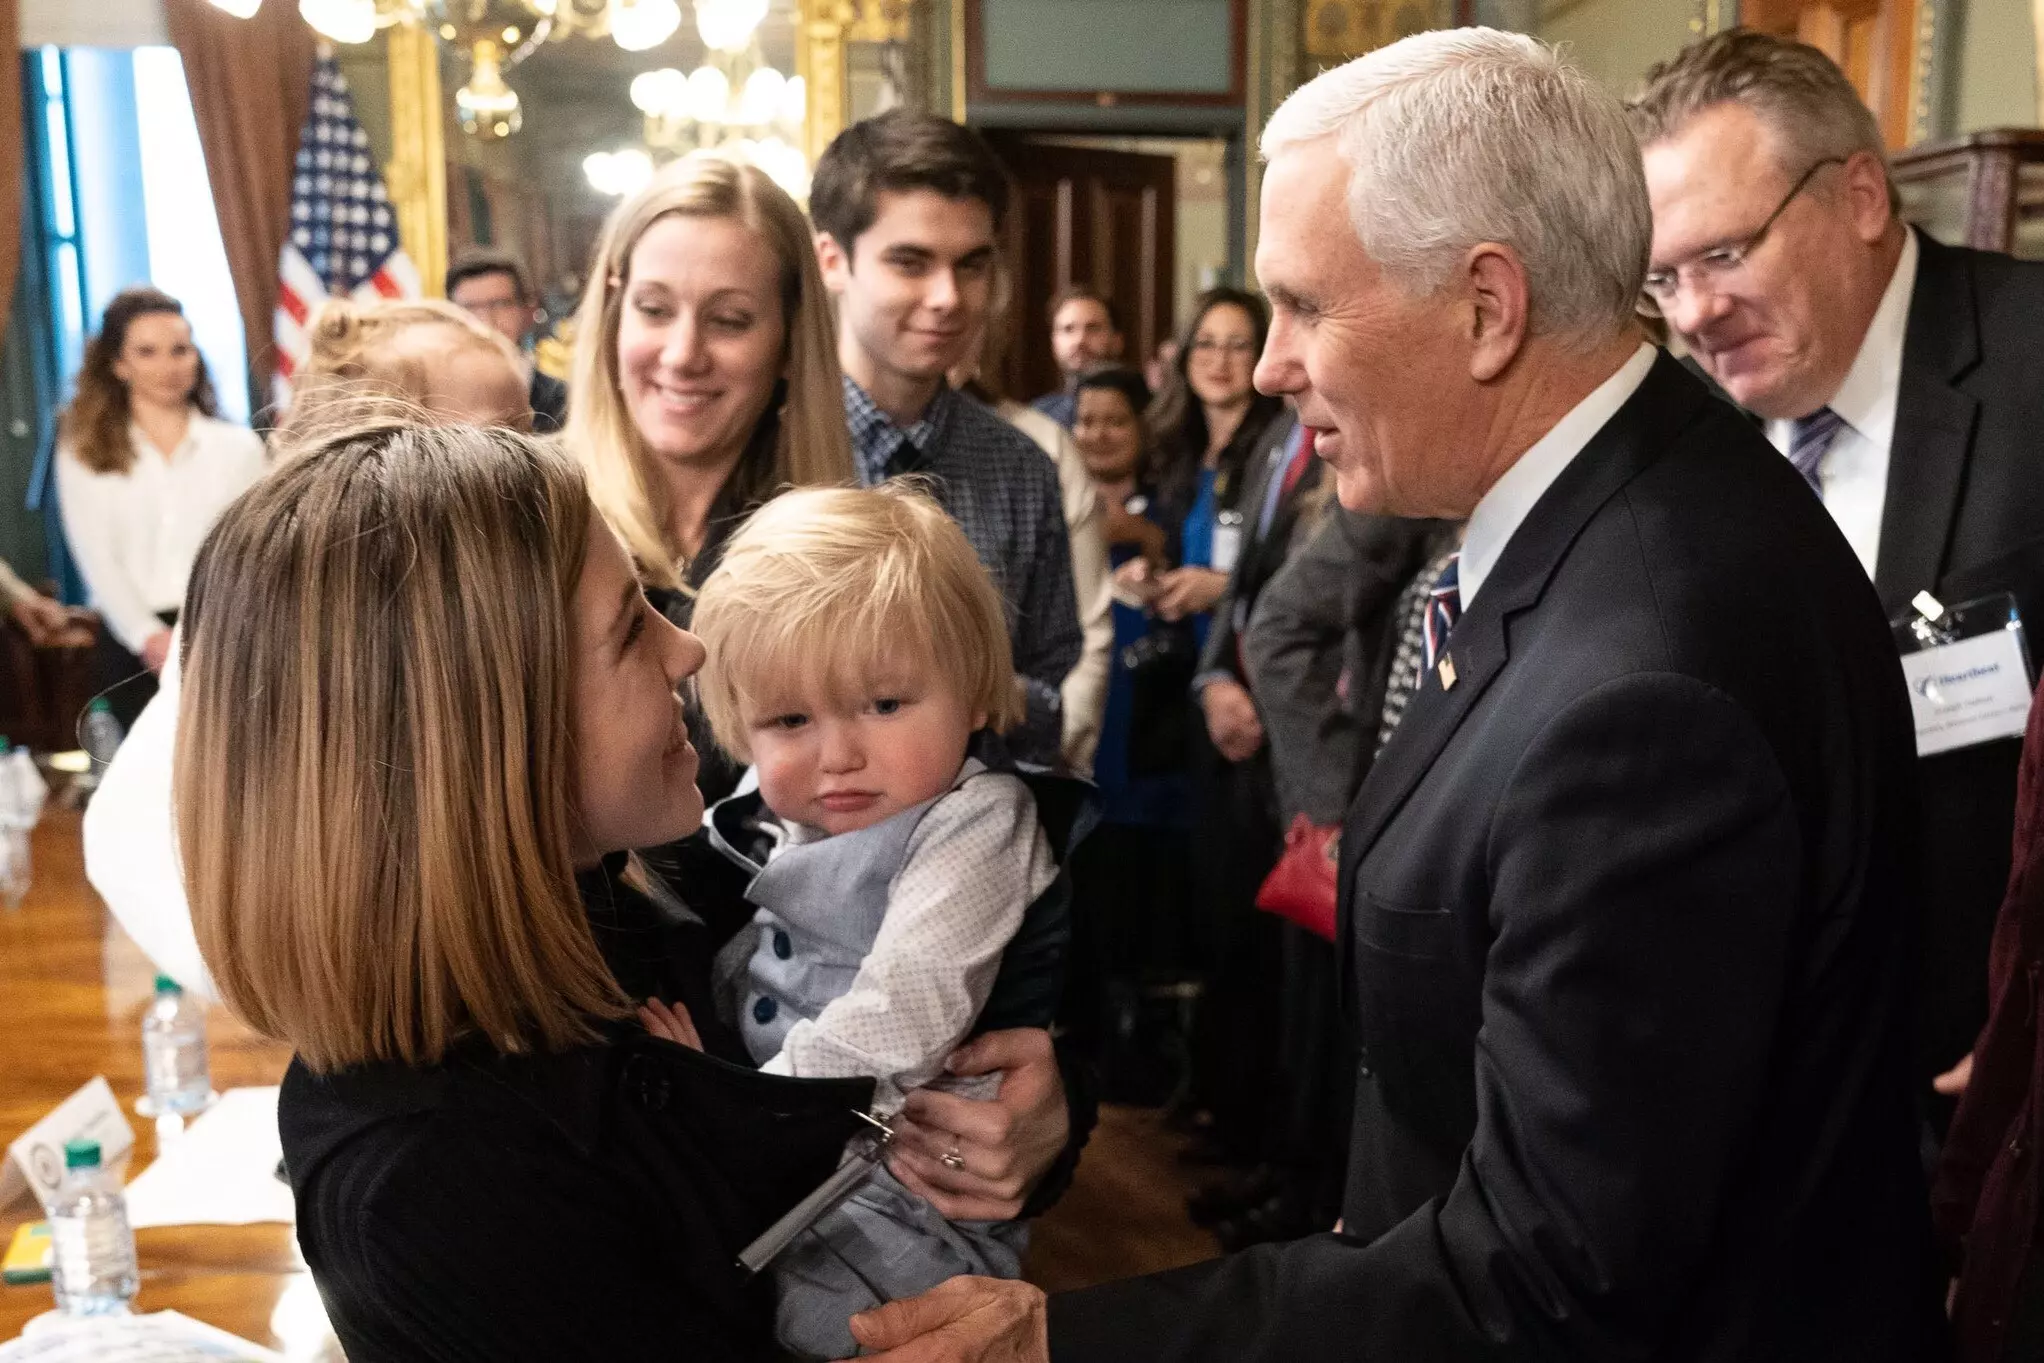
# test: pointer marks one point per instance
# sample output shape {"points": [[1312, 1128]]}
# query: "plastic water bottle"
{"points": [[102, 733], [174, 1053], [92, 1250], [16, 867]]}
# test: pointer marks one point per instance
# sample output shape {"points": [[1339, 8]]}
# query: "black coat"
{"points": [[1625, 935], [1964, 516], [587, 1205], [548, 397], [1264, 549]]}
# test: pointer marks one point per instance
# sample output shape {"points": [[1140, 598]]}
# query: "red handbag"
{"points": [[1302, 888]]}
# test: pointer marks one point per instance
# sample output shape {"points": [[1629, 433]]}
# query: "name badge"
{"points": [[1227, 542], [1968, 673]]}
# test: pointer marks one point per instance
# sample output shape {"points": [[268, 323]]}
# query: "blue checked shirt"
{"points": [[1003, 492]]}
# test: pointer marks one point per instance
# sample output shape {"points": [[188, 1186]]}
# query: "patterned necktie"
{"points": [[1444, 608], [1809, 438]]}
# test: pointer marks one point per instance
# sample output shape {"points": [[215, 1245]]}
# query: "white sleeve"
{"points": [[12, 588], [130, 851], [252, 459], [91, 526], [1085, 686], [975, 864]]}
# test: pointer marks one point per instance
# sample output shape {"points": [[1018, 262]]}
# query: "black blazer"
{"points": [[549, 399], [1624, 934], [1262, 554], [1964, 515]]}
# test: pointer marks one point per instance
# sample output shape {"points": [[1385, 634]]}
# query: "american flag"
{"points": [[344, 241]]}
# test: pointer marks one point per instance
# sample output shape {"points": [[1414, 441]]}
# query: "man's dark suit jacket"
{"points": [[1625, 937], [1262, 553], [1964, 516], [549, 399]]}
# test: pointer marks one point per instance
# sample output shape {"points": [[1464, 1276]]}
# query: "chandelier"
{"points": [[733, 103], [495, 35], [634, 25]]}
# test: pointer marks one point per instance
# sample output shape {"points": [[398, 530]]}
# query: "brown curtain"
{"points": [[10, 152], [251, 83]]}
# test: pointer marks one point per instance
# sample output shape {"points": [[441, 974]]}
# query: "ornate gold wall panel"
{"points": [[417, 173], [826, 27]]}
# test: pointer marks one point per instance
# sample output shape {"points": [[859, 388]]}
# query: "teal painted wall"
{"points": [[1175, 46]]}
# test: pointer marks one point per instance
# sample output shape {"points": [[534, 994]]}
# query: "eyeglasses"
{"points": [[1206, 345], [1718, 267]]}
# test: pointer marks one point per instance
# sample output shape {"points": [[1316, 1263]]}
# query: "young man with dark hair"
{"points": [[493, 286], [1085, 331], [906, 207]]}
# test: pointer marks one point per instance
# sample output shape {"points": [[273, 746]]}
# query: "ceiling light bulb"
{"points": [[760, 101], [794, 102], [636, 25], [728, 25], [784, 165], [343, 21], [709, 95], [618, 173], [660, 93]]}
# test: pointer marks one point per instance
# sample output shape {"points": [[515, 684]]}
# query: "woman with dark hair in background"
{"points": [[1205, 428], [144, 466], [1210, 425]]}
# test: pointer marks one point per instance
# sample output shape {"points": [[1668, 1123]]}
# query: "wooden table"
{"points": [[72, 990]]}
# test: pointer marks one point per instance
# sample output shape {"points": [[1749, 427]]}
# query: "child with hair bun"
{"points": [[856, 645], [420, 351]]}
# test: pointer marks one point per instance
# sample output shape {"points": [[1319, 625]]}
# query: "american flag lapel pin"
{"points": [[1446, 671]]}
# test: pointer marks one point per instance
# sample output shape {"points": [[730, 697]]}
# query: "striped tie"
{"points": [[1809, 438], [1444, 608]]}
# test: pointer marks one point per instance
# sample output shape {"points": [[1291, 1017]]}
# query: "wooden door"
{"points": [[1079, 215], [1873, 42]]}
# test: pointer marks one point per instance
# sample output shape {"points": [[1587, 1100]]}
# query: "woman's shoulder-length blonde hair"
{"points": [[810, 445], [373, 777]]}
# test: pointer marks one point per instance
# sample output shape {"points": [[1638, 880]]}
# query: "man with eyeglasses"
{"points": [[1900, 377], [493, 287]]}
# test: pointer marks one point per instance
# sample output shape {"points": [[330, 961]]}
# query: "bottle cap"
{"points": [[81, 1154], [166, 985]]}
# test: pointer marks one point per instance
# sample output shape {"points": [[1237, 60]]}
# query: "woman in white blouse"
{"points": [[144, 466]]}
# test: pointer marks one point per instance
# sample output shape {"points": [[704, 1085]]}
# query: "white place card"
{"points": [[36, 1160]]}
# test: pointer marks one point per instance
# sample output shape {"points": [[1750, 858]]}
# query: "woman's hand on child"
{"points": [[671, 1021], [1000, 1148], [964, 1320]]}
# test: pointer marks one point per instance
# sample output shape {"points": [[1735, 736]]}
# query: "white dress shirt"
{"points": [[135, 534], [1854, 470], [1498, 515]]}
